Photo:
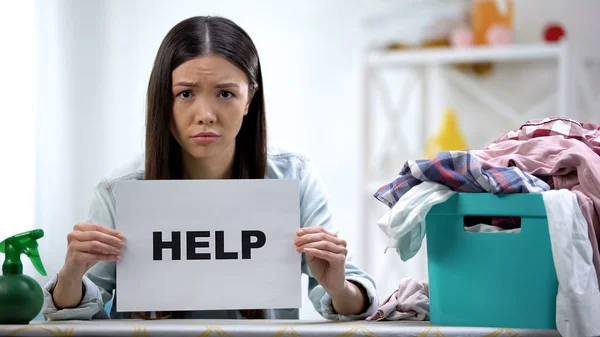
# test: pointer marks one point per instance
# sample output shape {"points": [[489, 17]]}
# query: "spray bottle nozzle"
{"points": [[23, 243]]}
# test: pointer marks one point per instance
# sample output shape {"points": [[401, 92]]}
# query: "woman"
{"points": [[206, 120]]}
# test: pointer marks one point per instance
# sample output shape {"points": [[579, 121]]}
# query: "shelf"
{"points": [[447, 55]]}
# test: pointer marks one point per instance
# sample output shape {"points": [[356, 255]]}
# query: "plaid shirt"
{"points": [[460, 171], [557, 126]]}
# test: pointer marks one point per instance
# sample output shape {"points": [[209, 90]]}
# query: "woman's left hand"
{"points": [[325, 255]]}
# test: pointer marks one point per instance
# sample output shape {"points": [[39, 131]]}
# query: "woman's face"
{"points": [[210, 101]]}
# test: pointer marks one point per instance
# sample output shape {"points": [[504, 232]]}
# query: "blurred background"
{"points": [[359, 86]]}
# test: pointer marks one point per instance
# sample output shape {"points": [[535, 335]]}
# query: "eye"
{"points": [[187, 94], [226, 94]]}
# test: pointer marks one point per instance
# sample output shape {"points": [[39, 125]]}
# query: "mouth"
{"points": [[205, 137], [205, 134]]}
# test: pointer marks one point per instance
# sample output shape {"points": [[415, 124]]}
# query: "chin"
{"points": [[200, 154], [203, 152]]}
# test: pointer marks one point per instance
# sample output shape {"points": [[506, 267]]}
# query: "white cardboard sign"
{"points": [[208, 245]]}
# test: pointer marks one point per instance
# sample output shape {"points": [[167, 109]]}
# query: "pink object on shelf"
{"points": [[461, 37], [498, 35]]}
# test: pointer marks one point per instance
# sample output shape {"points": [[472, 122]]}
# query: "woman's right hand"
{"points": [[88, 244]]}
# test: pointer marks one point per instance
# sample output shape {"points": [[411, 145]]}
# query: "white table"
{"points": [[195, 328]]}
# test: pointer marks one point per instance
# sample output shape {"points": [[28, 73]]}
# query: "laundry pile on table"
{"points": [[557, 157]]}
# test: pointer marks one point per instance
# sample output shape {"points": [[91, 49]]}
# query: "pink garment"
{"points": [[409, 302], [571, 163], [587, 133]]}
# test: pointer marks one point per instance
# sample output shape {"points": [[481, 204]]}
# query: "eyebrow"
{"points": [[186, 84], [195, 85], [227, 85]]}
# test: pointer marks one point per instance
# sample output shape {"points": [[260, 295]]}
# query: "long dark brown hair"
{"points": [[191, 38]]}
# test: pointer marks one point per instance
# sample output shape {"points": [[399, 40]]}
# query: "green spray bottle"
{"points": [[21, 296]]}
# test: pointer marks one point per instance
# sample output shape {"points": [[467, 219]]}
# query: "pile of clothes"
{"points": [[557, 157]]}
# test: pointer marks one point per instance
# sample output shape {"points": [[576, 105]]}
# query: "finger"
{"points": [[84, 258], [308, 238], [94, 247], [324, 245], [336, 260], [322, 236], [86, 226], [96, 236], [313, 229]]}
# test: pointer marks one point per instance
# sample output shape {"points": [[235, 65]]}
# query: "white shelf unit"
{"points": [[429, 64], [444, 55]]}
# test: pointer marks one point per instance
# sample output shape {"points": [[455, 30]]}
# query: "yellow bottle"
{"points": [[449, 138]]}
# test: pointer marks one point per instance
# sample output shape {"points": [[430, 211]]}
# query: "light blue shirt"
{"points": [[99, 281]]}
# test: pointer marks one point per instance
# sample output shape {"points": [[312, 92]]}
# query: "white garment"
{"points": [[404, 223], [578, 299]]}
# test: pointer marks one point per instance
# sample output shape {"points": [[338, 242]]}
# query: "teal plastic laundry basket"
{"points": [[504, 280]]}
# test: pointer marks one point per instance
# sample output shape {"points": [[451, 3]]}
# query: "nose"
{"points": [[204, 114]]}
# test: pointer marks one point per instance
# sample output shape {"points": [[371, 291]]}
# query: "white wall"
{"points": [[18, 118]]}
